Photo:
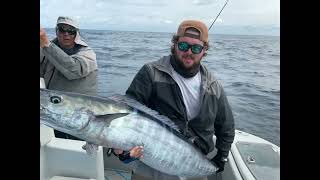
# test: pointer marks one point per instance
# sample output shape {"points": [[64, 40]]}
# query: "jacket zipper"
{"points": [[181, 98], [184, 109]]}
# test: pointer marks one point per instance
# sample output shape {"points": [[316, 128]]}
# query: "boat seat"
{"points": [[66, 158]]}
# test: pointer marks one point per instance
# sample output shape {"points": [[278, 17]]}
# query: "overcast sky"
{"points": [[161, 15]]}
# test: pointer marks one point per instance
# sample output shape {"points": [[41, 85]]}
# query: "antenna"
{"points": [[218, 14]]}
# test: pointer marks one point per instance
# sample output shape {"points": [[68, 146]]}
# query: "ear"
{"points": [[204, 53]]}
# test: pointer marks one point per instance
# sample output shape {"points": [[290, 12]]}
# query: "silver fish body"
{"points": [[122, 123]]}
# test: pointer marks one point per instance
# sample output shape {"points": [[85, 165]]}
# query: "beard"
{"points": [[179, 66], [195, 65]]}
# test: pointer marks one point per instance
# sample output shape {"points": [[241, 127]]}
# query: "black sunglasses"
{"points": [[195, 48], [69, 30]]}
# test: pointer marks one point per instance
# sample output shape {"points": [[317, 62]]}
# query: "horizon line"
{"points": [[243, 34]]}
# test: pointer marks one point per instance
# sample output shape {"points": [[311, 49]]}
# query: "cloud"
{"points": [[160, 14], [166, 21], [219, 20], [147, 4], [137, 3], [203, 2]]}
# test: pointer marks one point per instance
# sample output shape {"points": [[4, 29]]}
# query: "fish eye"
{"points": [[55, 99]]}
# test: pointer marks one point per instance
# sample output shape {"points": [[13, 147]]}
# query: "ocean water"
{"points": [[247, 66]]}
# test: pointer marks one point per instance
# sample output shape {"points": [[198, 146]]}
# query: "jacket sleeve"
{"points": [[72, 67], [42, 63], [141, 85], [224, 125]]}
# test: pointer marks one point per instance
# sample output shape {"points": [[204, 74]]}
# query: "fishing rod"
{"points": [[218, 14]]}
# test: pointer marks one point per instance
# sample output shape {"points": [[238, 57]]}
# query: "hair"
{"points": [[175, 39]]}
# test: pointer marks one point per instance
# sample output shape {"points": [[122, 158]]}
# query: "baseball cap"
{"points": [[70, 21], [67, 20], [200, 26]]}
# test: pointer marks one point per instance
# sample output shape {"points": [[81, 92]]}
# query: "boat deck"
{"points": [[116, 174]]}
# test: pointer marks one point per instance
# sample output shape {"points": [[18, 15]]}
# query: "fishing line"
{"points": [[218, 14]]}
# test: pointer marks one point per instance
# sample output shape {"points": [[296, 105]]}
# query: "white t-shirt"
{"points": [[190, 89]]}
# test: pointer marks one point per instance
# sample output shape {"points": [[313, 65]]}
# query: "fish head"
{"points": [[63, 112]]}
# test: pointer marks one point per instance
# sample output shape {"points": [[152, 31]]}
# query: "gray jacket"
{"points": [[154, 86], [72, 70]]}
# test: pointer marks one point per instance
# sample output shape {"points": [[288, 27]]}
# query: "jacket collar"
{"points": [[164, 65]]}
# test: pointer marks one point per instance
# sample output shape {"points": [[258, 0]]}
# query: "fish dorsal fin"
{"points": [[153, 115], [136, 105], [110, 117]]}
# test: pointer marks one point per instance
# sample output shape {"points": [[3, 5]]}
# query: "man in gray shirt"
{"points": [[180, 87], [67, 63]]}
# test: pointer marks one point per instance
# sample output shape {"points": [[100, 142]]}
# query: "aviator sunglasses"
{"points": [[69, 30], [195, 48]]}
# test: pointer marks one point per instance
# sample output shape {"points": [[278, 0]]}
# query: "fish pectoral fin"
{"points": [[109, 117]]}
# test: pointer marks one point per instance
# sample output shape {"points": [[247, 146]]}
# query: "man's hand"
{"points": [[135, 152], [219, 161], [44, 41], [128, 156]]}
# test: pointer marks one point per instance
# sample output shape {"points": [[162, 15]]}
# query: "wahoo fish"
{"points": [[123, 123]]}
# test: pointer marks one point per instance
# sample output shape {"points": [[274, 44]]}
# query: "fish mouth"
{"points": [[46, 121], [44, 111]]}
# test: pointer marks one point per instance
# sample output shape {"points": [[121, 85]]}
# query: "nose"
{"points": [[189, 51]]}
